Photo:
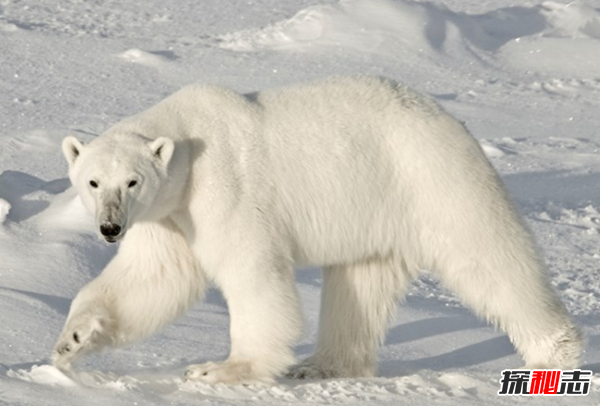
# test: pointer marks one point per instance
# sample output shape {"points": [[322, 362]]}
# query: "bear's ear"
{"points": [[162, 149], [71, 148]]}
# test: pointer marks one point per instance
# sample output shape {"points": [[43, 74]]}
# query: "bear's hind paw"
{"points": [[228, 372], [310, 371]]}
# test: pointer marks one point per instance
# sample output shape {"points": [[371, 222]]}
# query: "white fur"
{"points": [[360, 175]]}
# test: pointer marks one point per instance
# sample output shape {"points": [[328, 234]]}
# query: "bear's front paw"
{"points": [[228, 372], [77, 339]]}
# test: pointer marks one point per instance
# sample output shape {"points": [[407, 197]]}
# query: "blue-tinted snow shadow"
{"points": [[215, 297], [559, 187], [15, 186], [455, 321], [463, 357], [487, 31], [57, 303], [419, 329], [309, 276], [594, 367], [592, 364]]}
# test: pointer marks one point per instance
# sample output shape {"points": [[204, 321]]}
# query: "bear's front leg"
{"points": [[265, 322]]}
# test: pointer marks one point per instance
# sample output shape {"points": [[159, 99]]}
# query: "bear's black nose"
{"points": [[110, 230]]}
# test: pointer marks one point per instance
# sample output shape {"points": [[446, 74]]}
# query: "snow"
{"points": [[522, 74]]}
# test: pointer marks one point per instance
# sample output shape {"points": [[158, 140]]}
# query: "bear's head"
{"points": [[118, 178]]}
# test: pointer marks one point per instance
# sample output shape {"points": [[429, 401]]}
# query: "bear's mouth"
{"points": [[113, 239]]}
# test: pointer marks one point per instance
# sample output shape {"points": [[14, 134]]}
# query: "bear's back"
{"points": [[330, 159], [349, 155]]}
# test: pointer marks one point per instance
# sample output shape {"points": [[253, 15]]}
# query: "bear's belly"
{"points": [[344, 232], [338, 210]]}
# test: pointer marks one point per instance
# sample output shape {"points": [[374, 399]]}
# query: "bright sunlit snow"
{"points": [[523, 75]]}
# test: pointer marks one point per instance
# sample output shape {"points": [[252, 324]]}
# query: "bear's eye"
{"points": [[93, 184], [132, 183]]}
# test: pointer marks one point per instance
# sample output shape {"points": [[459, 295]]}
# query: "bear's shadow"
{"points": [[57, 303], [19, 189]]}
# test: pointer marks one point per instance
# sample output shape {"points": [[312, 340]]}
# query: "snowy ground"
{"points": [[523, 75]]}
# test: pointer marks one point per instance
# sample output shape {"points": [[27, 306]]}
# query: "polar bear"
{"points": [[359, 175]]}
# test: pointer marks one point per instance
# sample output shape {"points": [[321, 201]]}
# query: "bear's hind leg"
{"points": [[357, 302], [514, 293]]}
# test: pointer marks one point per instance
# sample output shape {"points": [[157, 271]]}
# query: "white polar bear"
{"points": [[357, 174]]}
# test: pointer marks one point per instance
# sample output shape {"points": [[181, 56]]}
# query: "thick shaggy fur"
{"points": [[359, 175]]}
